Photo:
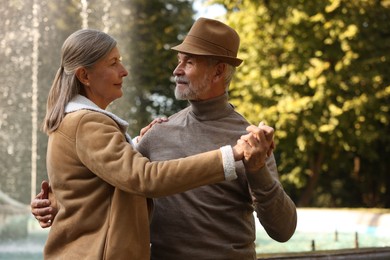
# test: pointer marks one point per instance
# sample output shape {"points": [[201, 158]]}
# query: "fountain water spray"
{"points": [[106, 17], [84, 14], [34, 96]]}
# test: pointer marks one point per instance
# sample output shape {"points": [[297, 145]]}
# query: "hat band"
{"points": [[208, 47]]}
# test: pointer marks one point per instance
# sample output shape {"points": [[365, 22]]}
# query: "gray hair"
{"points": [[82, 48], [229, 73]]}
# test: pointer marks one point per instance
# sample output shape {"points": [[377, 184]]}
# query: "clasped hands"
{"points": [[255, 147]]}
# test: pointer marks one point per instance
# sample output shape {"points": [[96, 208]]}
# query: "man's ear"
{"points": [[220, 71], [82, 76]]}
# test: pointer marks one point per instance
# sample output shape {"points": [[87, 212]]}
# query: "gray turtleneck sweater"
{"points": [[214, 221]]}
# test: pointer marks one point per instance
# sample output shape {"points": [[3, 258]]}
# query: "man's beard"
{"points": [[185, 94], [191, 93]]}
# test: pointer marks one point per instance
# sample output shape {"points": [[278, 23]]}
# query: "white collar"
{"points": [[80, 102]]}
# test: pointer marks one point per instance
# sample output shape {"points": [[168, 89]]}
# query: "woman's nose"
{"points": [[124, 72]]}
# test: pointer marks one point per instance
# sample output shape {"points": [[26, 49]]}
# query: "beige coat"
{"points": [[101, 184]]}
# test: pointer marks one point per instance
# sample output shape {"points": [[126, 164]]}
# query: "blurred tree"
{"points": [[318, 71], [154, 26]]}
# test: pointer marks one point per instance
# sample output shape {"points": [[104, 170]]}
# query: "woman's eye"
{"points": [[116, 61]]}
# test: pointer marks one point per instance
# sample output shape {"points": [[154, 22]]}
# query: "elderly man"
{"points": [[214, 221]]}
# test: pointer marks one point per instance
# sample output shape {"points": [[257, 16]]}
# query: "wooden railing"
{"points": [[374, 253]]}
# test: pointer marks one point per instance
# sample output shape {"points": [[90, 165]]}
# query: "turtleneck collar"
{"points": [[211, 109]]}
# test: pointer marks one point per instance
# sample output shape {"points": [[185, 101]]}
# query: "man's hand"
{"points": [[259, 145], [268, 132], [41, 207]]}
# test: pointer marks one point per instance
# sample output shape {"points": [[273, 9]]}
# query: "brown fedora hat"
{"points": [[208, 37]]}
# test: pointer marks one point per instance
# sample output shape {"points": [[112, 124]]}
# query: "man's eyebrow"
{"points": [[185, 56]]}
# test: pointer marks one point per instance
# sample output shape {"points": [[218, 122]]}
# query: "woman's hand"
{"points": [[259, 145], [146, 128]]}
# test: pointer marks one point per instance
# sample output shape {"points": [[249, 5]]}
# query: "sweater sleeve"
{"points": [[102, 147], [275, 209]]}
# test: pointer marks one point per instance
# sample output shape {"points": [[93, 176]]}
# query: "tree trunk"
{"points": [[315, 169]]}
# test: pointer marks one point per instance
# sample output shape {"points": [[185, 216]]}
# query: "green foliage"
{"points": [[318, 71]]}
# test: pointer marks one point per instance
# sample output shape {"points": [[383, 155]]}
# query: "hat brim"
{"points": [[195, 50]]}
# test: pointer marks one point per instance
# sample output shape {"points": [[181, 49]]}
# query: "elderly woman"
{"points": [[100, 182]]}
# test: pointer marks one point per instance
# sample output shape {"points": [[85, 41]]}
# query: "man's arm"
{"points": [[275, 210], [42, 208]]}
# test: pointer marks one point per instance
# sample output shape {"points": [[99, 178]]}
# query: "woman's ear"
{"points": [[82, 76]]}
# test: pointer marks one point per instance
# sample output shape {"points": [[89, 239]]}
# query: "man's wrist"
{"points": [[261, 178], [253, 169]]}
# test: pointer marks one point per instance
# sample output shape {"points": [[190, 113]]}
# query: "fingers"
{"points": [[238, 151], [242, 143], [45, 224], [45, 189], [264, 132], [40, 203], [40, 206], [42, 211], [255, 145], [260, 145], [45, 221], [160, 120], [254, 139], [267, 130], [254, 154], [155, 121], [271, 149], [41, 199]]}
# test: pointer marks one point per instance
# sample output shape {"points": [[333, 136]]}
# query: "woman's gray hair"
{"points": [[82, 48]]}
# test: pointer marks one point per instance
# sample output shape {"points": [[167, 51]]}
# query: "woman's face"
{"points": [[104, 79]]}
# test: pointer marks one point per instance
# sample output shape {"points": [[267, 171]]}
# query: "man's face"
{"points": [[193, 76]]}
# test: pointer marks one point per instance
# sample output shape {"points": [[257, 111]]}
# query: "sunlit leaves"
{"points": [[318, 71], [332, 6]]}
